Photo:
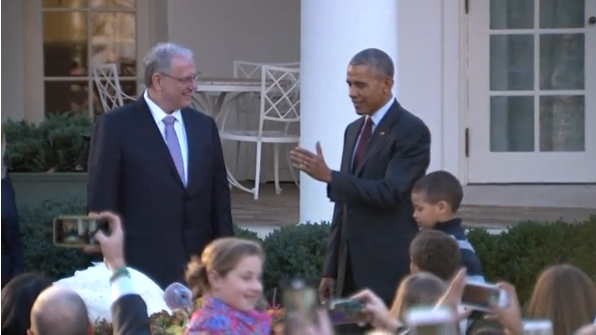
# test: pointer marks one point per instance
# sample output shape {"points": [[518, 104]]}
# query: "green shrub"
{"points": [[36, 224], [246, 234], [295, 250], [519, 254], [58, 143]]}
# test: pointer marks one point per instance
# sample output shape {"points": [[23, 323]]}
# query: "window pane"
{"points": [[129, 87], [562, 13], [66, 96], [511, 62], [113, 40], [562, 123], [562, 63], [65, 43], [112, 3], [511, 14], [512, 124], [64, 3]]}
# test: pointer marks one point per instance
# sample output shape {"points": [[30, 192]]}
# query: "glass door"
{"points": [[532, 91]]}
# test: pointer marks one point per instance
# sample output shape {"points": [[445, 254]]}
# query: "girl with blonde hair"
{"points": [[228, 274]]}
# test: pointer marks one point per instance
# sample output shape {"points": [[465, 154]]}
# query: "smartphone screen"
{"points": [[538, 327], [480, 297], [78, 231], [437, 329], [345, 311], [301, 302], [431, 321]]}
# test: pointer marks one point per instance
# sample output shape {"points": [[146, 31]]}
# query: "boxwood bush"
{"points": [[517, 255]]}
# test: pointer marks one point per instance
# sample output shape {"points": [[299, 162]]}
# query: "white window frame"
{"points": [[34, 61]]}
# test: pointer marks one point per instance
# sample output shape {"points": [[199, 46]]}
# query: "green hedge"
{"points": [[59, 143], [517, 255], [37, 237]]}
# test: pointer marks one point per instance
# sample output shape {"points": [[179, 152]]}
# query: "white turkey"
{"points": [[93, 285]]}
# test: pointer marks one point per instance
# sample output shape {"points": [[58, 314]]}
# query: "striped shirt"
{"points": [[469, 260]]}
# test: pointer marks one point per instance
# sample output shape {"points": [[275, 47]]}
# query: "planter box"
{"points": [[37, 187]]}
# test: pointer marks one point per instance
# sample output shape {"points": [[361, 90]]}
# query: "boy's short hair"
{"points": [[436, 252], [440, 186]]}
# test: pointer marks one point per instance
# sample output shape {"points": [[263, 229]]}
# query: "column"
{"points": [[332, 31]]}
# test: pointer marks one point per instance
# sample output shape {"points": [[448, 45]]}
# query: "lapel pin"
{"points": [[382, 133]]}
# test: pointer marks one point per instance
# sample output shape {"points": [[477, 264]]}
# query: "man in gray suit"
{"points": [[385, 152]]}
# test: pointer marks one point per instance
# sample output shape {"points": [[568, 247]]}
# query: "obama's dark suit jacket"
{"points": [[372, 224]]}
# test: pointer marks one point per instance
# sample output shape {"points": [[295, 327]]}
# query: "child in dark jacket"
{"points": [[436, 198]]}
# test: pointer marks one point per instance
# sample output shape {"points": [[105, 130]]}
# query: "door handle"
{"points": [[592, 20]]}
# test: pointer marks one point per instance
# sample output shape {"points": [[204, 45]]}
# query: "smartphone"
{"points": [[345, 311], [481, 296], [538, 327], [301, 302], [431, 321], [72, 231]]}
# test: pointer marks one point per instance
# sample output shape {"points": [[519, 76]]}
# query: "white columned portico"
{"points": [[332, 31]]}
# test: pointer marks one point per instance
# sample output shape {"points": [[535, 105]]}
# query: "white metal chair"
{"points": [[279, 104], [252, 70], [108, 85]]}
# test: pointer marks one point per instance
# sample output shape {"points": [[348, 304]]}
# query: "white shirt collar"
{"points": [[377, 116], [157, 112]]}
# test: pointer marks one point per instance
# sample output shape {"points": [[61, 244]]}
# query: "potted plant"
{"points": [[48, 160]]}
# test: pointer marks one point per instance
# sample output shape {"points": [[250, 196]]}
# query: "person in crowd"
{"points": [[13, 259], [421, 288], [436, 198], [59, 311], [129, 311], [385, 152], [159, 164], [435, 252], [18, 297], [509, 317], [228, 274], [565, 295]]}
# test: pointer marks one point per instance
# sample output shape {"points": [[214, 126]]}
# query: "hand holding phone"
{"points": [[432, 321], [301, 301], [481, 296], [346, 311], [72, 231]]}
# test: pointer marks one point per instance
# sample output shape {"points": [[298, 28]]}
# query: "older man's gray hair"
{"points": [[159, 58], [378, 60]]}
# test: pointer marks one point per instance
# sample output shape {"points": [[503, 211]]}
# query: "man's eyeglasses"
{"points": [[185, 80]]}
